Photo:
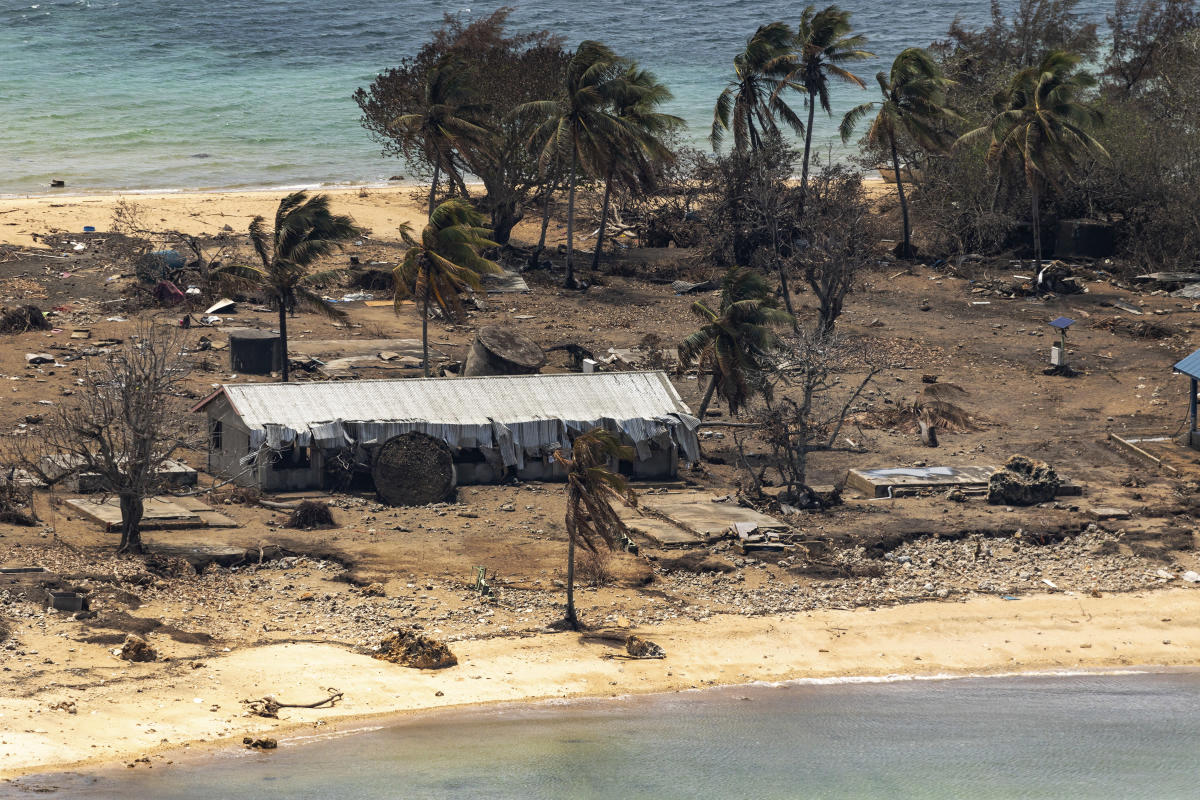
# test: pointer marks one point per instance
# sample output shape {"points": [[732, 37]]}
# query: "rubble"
{"points": [[410, 649], [137, 649], [1023, 482]]}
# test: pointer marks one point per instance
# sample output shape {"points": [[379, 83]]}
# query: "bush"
{"points": [[311, 514]]}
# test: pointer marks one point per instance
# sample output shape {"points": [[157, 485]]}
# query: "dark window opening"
{"points": [[292, 457], [216, 438]]}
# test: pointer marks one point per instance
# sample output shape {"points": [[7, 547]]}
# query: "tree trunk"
{"points": [[812, 111], [437, 174], [572, 617], [505, 216], [132, 507], [570, 282], [603, 221], [283, 359], [425, 319], [907, 252], [708, 394], [1037, 228], [456, 179]]}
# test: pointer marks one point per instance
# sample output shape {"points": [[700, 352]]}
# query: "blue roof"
{"points": [[1190, 365], [1062, 322]]}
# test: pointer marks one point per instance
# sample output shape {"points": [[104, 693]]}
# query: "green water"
{"points": [[1095, 736]]}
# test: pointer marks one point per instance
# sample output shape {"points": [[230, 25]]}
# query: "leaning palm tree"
{"points": [[446, 260], [737, 339], [580, 128], [751, 103], [1042, 125], [444, 120], [305, 230], [914, 101], [592, 487], [823, 43], [635, 98]]}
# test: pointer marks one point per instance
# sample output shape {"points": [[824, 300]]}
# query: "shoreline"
{"points": [[977, 638]]}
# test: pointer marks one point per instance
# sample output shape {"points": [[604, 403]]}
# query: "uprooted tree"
{"points": [[122, 429]]}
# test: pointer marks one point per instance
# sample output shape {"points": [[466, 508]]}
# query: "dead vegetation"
{"points": [[309, 515], [23, 319]]}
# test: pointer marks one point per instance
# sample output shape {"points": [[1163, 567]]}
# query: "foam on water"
{"points": [[119, 94]]}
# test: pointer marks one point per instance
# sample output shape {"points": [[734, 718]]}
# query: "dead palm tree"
{"points": [[305, 231], [737, 339], [446, 260], [823, 43], [592, 487], [750, 104], [1042, 125], [914, 101]]}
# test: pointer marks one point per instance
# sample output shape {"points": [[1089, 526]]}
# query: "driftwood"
{"points": [[269, 707]]}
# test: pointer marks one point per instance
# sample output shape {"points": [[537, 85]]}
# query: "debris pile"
{"points": [[411, 649], [1023, 482], [137, 649], [311, 514], [22, 319], [637, 647]]}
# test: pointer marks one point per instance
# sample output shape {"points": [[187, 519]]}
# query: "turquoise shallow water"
{"points": [[178, 94], [1094, 736]]}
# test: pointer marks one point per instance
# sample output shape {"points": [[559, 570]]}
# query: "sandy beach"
{"points": [[379, 210], [128, 711]]}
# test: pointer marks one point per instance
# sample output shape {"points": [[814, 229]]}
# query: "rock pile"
{"points": [[410, 649]]}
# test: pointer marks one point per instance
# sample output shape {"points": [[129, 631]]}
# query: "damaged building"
{"points": [[294, 436]]}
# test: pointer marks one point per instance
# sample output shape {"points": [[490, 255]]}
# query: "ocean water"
{"points": [[1127, 736], [186, 94]]}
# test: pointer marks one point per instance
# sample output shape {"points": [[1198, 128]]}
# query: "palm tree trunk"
{"points": [[541, 245], [437, 174], [907, 253], [812, 111], [283, 350], [570, 282], [1037, 227], [708, 395], [132, 508], [572, 617], [425, 321], [603, 220]]}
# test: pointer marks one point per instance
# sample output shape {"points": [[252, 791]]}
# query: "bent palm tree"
{"points": [[580, 128], [751, 102], [736, 339], [823, 43], [444, 120], [1042, 125], [914, 100], [305, 230], [591, 489], [634, 100], [444, 262]]}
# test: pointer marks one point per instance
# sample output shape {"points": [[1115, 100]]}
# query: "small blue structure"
{"points": [[1190, 366]]}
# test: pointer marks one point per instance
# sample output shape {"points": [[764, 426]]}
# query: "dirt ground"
{"points": [[918, 321]]}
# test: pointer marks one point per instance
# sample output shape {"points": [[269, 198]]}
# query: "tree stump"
{"points": [[413, 469], [498, 350]]}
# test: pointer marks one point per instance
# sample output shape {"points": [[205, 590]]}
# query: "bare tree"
{"points": [[839, 232], [129, 420], [819, 383]]}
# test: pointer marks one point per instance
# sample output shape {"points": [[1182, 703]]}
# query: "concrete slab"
{"points": [[658, 531], [159, 512], [505, 283], [881, 482], [696, 512]]}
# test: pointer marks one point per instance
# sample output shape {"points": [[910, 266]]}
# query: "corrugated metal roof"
{"points": [[515, 413], [1190, 365]]}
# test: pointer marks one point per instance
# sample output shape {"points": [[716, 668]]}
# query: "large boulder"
{"points": [[1023, 482], [411, 649]]}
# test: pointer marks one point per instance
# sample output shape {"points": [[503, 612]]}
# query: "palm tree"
{"points": [[737, 339], [591, 489], [914, 101], [444, 262], [580, 127], [443, 122], [823, 43], [634, 100], [751, 102], [1042, 125], [304, 231]]}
